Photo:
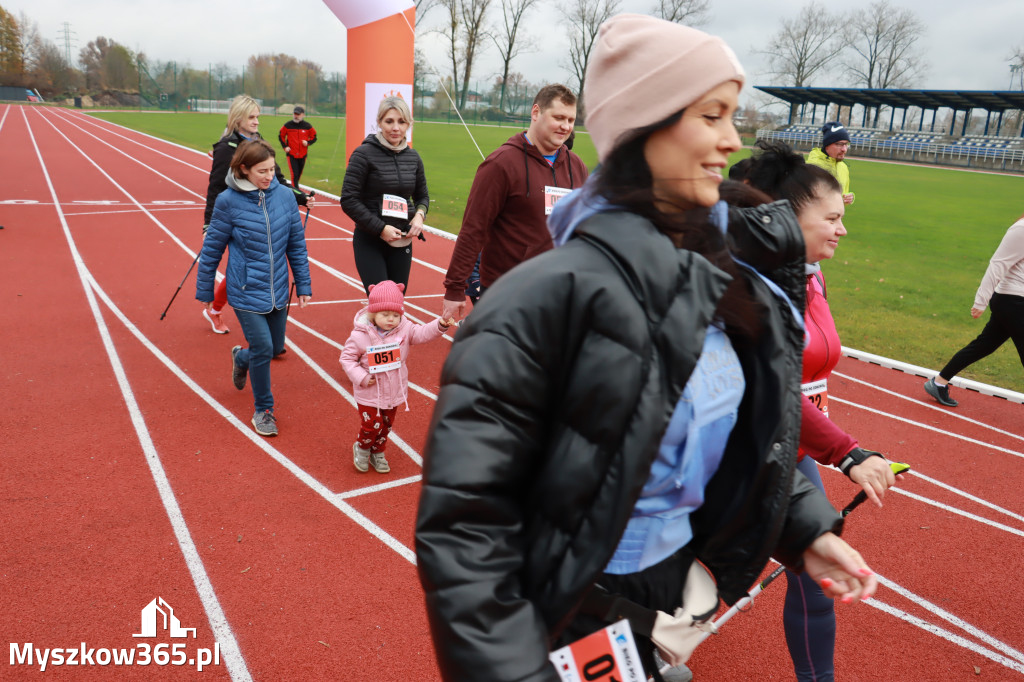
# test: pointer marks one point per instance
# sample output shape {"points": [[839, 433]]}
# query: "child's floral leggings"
{"points": [[375, 426]]}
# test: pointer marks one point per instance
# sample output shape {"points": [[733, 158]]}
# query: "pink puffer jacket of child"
{"points": [[392, 387]]}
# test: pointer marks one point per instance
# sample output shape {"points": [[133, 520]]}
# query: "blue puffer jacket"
{"points": [[265, 235]]}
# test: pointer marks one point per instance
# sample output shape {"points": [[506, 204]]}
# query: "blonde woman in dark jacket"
{"points": [[385, 195], [628, 403]]}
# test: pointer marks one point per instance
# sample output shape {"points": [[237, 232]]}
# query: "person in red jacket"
{"points": [[515, 188], [296, 136], [817, 199]]}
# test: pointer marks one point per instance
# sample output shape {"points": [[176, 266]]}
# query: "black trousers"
{"points": [[658, 587], [376, 261], [1006, 321], [296, 164]]}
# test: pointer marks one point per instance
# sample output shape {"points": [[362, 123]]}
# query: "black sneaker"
{"points": [[238, 374], [264, 423], [940, 393]]}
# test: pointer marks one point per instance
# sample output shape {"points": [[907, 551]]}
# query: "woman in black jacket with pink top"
{"points": [[385, 195]]}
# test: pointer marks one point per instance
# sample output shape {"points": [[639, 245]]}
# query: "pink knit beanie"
{"points": [[644, 69], [387, 296]]}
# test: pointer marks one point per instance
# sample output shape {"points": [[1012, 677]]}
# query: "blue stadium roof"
{"points": [[961, 100]]}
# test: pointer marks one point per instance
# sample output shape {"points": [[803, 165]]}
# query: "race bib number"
{"points": [[394, 207], [608, 655], [551, 197], [817, 392], [383, 358]]}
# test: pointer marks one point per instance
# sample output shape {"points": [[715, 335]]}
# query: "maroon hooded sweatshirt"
{"points": [[504, 216]]}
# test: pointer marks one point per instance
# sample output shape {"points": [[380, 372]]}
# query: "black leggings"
{"points": [[296, 164], [376, 261], [1006, 321]]}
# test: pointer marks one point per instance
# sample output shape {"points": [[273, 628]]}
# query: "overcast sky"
{"points": [[966, 45]]}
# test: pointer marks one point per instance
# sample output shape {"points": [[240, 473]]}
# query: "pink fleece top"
{"points": [[392, 387], [819, 436]]}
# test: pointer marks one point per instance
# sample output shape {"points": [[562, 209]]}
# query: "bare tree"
{"points": [[422, 7], [1017, 67], [585, 18], [507, 38], [453, 36], [804, 47], [689, 12], [883, 41], [474, 13], [465, 32]]}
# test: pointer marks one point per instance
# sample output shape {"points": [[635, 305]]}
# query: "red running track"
{"points": [[130, 470]]}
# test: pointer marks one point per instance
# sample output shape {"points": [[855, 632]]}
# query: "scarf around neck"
{"points": [[388, 145]]}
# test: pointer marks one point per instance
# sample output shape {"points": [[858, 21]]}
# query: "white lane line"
{"points": [[106, 128], [7, 110], [135, 160], [927, 427], [233, 659], [951, 619], [397, 483], [398, 441], [961, 512], [257, 440], [121, 189], [946, 635], [931, 406], [966, 494]]}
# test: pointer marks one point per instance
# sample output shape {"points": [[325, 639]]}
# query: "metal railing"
{"points": [[993, 158]]}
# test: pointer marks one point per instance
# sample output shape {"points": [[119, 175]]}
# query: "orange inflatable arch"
{"points": [[381, 45]]}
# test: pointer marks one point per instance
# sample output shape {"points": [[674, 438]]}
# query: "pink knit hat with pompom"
{"points": [[387, 296]]}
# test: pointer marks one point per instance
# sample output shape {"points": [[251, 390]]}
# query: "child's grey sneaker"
{"points": [[360, 458], [940, 393], [380, 463], [264, 423], [238, 374]]}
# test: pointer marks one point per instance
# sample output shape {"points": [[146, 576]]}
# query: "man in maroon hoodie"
{"points": [[505, 221]]}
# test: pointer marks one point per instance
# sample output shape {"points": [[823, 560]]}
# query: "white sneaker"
{"points": [[380, 463], [360, 458]]}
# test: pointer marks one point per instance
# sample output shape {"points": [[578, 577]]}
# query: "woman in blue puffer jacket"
{"points": [[256, 216]]}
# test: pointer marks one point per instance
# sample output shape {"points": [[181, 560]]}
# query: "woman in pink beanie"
{"points": [[374, 358], [619, 417]]}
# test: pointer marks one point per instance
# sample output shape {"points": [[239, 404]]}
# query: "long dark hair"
{"points": [[781, 173], [624, 180]]}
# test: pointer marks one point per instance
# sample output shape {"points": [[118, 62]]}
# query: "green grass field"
{"points": [[901, 285]]}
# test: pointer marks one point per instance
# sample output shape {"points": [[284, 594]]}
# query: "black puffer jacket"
{"points": [[373, 171], [223, 151], [554, 399]]}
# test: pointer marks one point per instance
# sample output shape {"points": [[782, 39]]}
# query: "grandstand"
{"points": [[901, 142]]}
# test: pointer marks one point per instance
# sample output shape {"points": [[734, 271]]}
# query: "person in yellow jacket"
{"points": [[835, 142]]}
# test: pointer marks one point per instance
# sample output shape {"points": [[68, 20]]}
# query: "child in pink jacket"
{"points": [[374, 358]]}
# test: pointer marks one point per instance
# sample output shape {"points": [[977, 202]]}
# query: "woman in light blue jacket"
{"points": [[257, 217]]}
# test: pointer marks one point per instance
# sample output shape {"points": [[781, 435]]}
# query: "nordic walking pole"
{"points": [[288, 305], [897, 468], [194, 261]]}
